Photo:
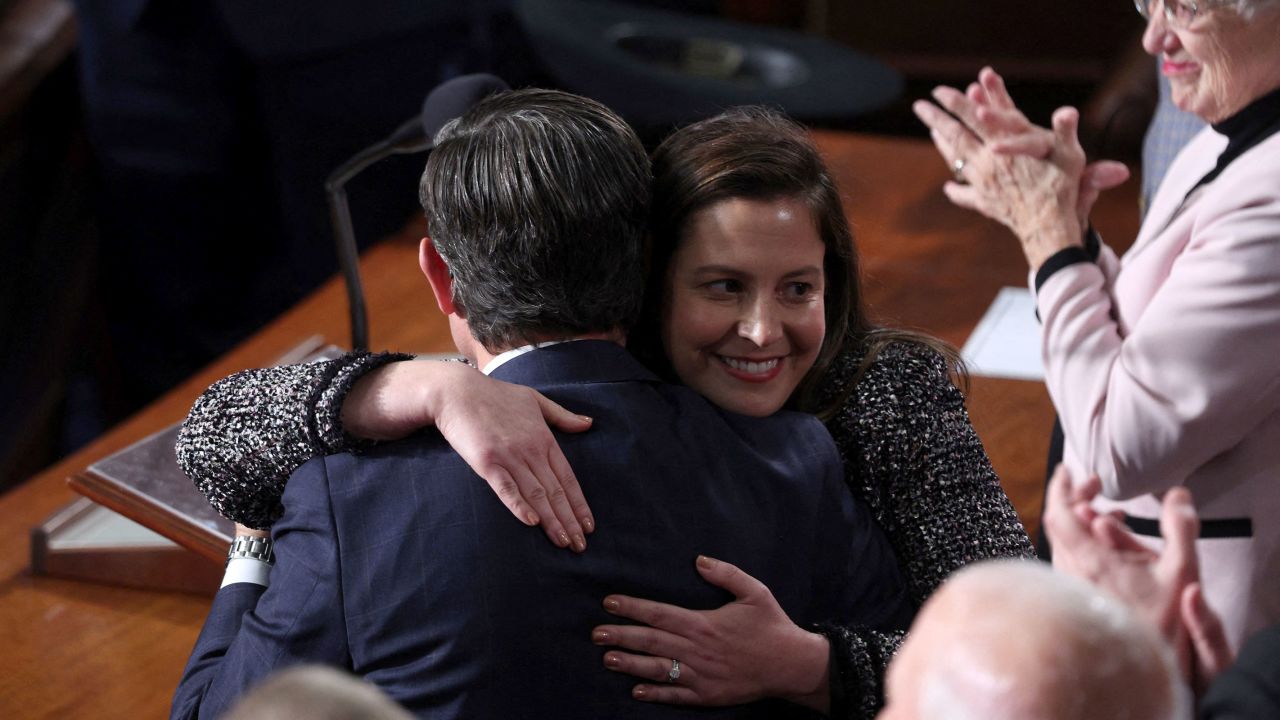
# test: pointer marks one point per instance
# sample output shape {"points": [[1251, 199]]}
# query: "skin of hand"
{"points": [[742, 651], [243, 530], [1098, 548], [1009, 132], [1210, 651], [1034, 185], [501, 430]]}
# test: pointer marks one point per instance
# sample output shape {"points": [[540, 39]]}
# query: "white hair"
{"points": [[1248, 8], [1032, 644]]}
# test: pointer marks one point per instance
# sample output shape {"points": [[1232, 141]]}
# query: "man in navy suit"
{"points": [[400, 564]]}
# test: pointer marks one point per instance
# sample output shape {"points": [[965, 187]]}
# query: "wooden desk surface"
{"points": [[75, 649]]}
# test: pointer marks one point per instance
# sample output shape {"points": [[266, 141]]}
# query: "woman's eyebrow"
{"points": [[804, 271], [731, 270], [718, 270]]}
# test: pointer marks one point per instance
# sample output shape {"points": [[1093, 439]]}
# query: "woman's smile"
{"points": [[1174, 69], [752, 370], [745, 315]]}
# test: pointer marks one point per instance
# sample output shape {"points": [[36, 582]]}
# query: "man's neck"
{"points": [[484, 358]]}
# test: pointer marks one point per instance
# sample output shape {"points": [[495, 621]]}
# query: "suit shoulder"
{"points": [[784, 435], [781, 422], [427, 441], [367, 469], [793, 438]]}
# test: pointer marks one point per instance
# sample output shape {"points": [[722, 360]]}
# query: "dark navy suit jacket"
{"points": [[402, 566]]}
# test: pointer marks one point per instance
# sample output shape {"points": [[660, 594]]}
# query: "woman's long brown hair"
{"points": [[757, 153]]}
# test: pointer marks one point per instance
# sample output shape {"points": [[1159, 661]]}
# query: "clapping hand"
{"points": [[1031, 179], [1164, 587], [1097, 547], [1011, 133]]}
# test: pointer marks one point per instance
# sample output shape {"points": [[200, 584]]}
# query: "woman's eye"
{"points": [[724, 286], [799, 290]]}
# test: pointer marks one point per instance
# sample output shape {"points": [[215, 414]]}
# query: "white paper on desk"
{"points": [[1006, 342]]}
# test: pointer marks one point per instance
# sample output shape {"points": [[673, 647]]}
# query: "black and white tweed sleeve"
{"points": [[248, 432], [859, 657], [912, 455]]}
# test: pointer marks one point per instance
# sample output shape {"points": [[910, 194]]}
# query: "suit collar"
{"points": [[574, 363], [503, 358]]}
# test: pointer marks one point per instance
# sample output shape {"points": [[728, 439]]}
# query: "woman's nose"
{"points": [[760, 324], [1158, 37]]}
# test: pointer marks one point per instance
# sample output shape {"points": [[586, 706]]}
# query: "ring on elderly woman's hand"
{"points": [[674, 673], [957, 168]]}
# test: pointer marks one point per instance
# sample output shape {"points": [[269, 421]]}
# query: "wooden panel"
{"points": [[147, 566], [204, 542]]}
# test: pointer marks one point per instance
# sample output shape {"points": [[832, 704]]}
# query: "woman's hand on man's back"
{"points": [[501, 430]]}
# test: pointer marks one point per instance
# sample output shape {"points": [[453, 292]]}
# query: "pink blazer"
{"points": [[1165, 367]]}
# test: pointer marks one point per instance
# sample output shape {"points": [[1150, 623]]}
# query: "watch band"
{"points": [[253, 548]]}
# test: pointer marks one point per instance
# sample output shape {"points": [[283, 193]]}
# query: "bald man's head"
{"points": [[1005, 640]]}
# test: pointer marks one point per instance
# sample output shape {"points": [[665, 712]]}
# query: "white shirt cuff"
{"points": [[247, 570]]}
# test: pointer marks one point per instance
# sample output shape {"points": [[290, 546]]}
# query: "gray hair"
{"points": [[537, 200], [315, 692], [1249, 8]]}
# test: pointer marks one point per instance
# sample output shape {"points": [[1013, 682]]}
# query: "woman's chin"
{"points": [[751, 391]]}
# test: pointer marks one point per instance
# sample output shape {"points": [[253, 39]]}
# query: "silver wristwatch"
{"points": [[252, 547]]}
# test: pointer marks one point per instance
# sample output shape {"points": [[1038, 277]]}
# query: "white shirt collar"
{"points": [[501, 358]]}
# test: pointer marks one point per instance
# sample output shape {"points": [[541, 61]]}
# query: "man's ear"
{"points": [[437, 272]]}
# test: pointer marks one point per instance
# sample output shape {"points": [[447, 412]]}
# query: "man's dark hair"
{"points": [[537, 200]]}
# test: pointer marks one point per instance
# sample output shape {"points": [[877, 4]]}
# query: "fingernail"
{"points": [[611, 660], [610, 604], [601, 637], [705, 562], [589, 524], [586, 418], [562, 539], [532, 518], [639, 693], [579, 543]]}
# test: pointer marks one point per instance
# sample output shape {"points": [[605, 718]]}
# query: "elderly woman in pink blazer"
{"points": [[1164, 365]]}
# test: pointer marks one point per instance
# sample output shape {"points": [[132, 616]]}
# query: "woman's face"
{"points": [[744, 317], [1218, 62]]}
